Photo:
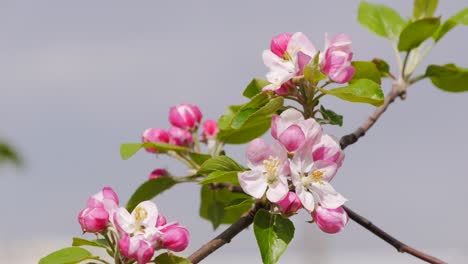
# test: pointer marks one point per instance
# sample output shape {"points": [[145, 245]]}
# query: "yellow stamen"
{"points": [[271, 167], [140, 214]]}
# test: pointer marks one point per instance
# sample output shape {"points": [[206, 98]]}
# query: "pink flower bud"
{"points": [[185, 116], [106, 198], [136, 247], [161, 220], [179, 137], [210, 129], [158, 173], [279, 44], [175, 237], [93, 219], [290, 204], [330, 220], [336, 61], [154, 135]]}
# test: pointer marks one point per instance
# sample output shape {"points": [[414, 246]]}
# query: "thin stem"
{"points": [[397, 55], [196, 141], [417, 79], [405, 62]]}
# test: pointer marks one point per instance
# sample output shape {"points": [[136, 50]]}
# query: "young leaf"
{"points": [[273, 233], [127, 150], [424, 8], [8, 154], [459, 18], [417, 32], [360, 91], [216, 213], [93, 243], [366, 70], [221, 176], [255, 87], [199, 158], [239, 203], [68, 255], [330, 117], [219, 163], [149, 190], [250, 130], [380, 19], [169, 258], [382, 66], [163, 147], [448, 77], [247, 113], [224, 122]]}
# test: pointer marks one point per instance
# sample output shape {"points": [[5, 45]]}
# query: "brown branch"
{"points": [[231, 187], [398, 245], [226, 236]]}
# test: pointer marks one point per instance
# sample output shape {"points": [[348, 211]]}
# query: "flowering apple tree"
{"points": [[293, 173]]}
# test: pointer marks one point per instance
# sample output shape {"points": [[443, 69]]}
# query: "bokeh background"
{"points": [[77, 78]]}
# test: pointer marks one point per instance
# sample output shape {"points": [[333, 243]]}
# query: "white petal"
{"points": [[277, 190], [328, 197], [328, 169], [253, 183], [307, 199], [300, 42], [151, 213], [124, 221]]}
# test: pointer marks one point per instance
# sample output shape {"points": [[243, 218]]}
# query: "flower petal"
{"points": [[124, 221], [328, 197], [277, 190], [307, 199], [253, 183]]}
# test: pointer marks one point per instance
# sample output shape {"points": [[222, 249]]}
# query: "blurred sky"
{"points": [[77, 78]]}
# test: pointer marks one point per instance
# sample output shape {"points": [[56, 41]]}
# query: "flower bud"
{"points": [[175, 237], [106, 198], [158, 173], [290, 204], [179, 137], [93, 220], [336, 61], [161, 220], [136, 247], [210, 129], [185, 116], [279, 44], [154, 135], [330, 220]]}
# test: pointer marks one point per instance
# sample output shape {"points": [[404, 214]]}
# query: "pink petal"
{"points": [[253, 183]]}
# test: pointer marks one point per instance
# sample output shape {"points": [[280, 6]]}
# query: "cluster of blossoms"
{"points": [[290, 53], [303, 159], [139, 233]]}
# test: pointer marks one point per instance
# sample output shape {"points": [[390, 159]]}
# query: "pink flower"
{"points": [[290, 204], [185, 116], [106, 199], [328, 149], [330, 220], [136, 247], [161, 220], [158, 173], [174, 237], [154, 135], [179, 137], [269, 169], [291, 130], [279, 44], [210, 130], [93, 220], [336, 61], [142, 220]]}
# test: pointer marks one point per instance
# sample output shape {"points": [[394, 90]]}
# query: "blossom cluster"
{"points": [[303, 157], [139, 233], [290, 53]]}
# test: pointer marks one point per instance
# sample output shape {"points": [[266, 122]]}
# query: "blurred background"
{"points": [[77, 78]]}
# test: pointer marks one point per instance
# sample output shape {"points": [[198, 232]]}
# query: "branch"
{"points": [[398, 245], [226, 236], [398, 89]]}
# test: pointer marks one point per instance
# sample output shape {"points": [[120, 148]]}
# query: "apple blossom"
{"points": [[142, 220], [279, 44], [328, 149], [291, 129], [185, 116], [269, 169], [174, 237], [330, 220], [93, 219], [336, 60], [161, 220], [311, 179], [106, 198], [290, 204], [157, 173], [136, 247], [179, 137], [154, 135]]}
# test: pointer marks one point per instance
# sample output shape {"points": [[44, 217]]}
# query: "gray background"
{"points": [[78, 78]]}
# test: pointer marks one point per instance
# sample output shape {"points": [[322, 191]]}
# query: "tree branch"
{"points": [[398, 245], [225, 236]]}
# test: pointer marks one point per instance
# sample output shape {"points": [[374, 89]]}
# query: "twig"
{"points": [[398, 245], [231, 187], [225, 237]]}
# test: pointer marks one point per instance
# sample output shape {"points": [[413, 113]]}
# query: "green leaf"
{"points": [[169, 258], [360, 91], [219, 163], [273, 233], [8, 154], [239, 203], [127, 150], [149, 190], [221, 176], [380, 19], [382, 66], [330, 117], [424, 8], [417, 32], [224, 122], [253, 129], [255, 87], [69, 255], [93, 243], [256, 109], [199, 158], [163, 147], [459, 18], [366, 70], [448, 77], [224, 196], [216, 213]]}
